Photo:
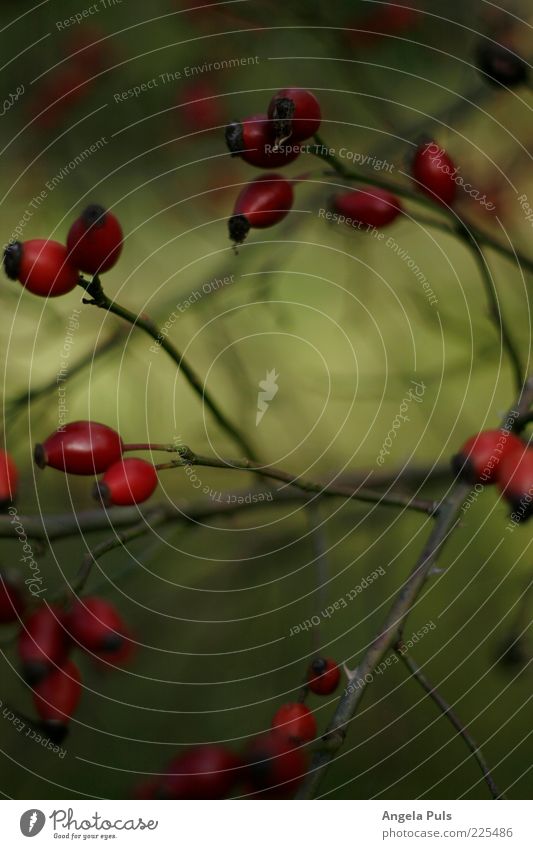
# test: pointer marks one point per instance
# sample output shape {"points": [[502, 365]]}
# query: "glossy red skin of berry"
{"points": [[515, 480], [323, 676], [253, 139], [480, 457], [95, 240], [433, 171], [43, 642], [42, 266], [9, 477], [11, 599], [295, 113], [95, 625], [371, 207], [274, 768], [264, 202], [127, 482], [56, 697], [81, 448], [296, 722], [205, 772]]}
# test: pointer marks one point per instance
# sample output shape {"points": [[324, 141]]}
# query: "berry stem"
{"points": [[99, 299], [386, 499], [149, 446], [391, 631], [456, 225]]}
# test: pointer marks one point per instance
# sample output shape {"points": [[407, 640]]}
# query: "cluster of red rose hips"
{"points": [[272, 765], [501, 457], [47, 637], [293, 116], [90, 448], [49, 269]]}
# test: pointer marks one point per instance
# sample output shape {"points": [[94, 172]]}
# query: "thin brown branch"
{"points": [[450, 714], [385, 499]]}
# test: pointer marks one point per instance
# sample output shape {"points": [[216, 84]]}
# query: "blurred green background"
{"points": [[343, 321]]}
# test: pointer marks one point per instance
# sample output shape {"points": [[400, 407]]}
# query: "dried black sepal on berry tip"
{"points": [[282, 116], [12, 259], [234, 138], [94, 215], [239, 227], [499, 66]]}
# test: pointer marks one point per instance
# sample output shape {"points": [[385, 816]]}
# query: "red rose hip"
{"points": [[296, 722], [479, 459], [95, 240], [12, 602], [263, 203], [42, 266], [95, 624], [80, 448], [205, 772], [274, 768], [433, 171], [371, 207], [323, 676], [295, 113], [56, 698], [253, 139], [43, 643], [8, 480], [515, 480], [126, 482]]}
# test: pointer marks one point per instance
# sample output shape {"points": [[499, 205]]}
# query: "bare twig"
{"points": [[495, 311], [385, 499], [450, 714]]}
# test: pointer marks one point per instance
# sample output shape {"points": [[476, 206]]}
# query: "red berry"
{"points": [[388, 19], [296, 722], [80, 448], [295, 113], [265, 201], [95, 240], [97, 626], [57, 697], [370, 207], [11, 598], [254, 141], [479, 459], [126, 482], [205, 772], [8, 480], [274, 768], [515, 479], [323, 676], [434, 171], [42, 266], [199, 107], [43, 643]]}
